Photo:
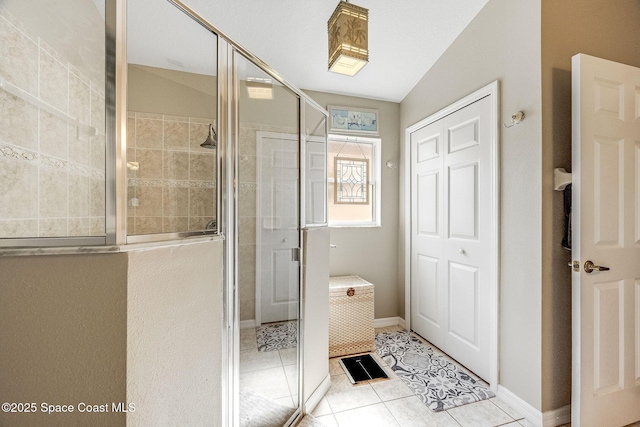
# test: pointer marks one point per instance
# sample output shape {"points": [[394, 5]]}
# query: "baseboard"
{"points": [[557, 417], [244, 324], [388, 321], [317, 395], [402, 323], [520, 406]]}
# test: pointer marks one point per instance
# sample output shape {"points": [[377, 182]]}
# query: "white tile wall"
{"points": [[51, 180]]}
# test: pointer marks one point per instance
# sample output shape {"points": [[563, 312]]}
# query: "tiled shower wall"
{"points": [[174, 188], [52, 180]]}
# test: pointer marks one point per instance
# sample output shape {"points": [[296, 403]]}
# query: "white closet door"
{"points": [[451, 234]]}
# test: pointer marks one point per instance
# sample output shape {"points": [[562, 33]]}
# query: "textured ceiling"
{"points": [[405, 39]]}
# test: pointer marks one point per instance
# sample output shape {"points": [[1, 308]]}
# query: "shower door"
{"points": [[268, 218]]}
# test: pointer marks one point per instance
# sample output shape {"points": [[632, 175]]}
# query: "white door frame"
{"points": [[491, 89]]}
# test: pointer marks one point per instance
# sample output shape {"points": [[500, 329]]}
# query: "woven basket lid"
{"points": [[344, 282]]}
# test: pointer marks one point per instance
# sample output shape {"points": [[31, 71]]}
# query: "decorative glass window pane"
{"points": [[351, 181]]}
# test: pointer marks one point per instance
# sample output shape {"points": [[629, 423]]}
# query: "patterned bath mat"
{"points": [[433, 377], [277, 336]]}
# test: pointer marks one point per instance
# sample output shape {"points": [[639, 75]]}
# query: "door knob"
{"points": [[461, 251], [590, 266]]}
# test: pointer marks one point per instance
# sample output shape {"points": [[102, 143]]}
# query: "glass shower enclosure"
{"points": [[268, 245], [271, 183], [113, 132]]}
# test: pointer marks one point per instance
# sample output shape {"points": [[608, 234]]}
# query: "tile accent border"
{"points": [[255, 186], [141, 182], [24, 155]]}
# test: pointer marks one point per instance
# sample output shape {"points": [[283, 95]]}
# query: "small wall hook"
{"points": [[516, 119]]}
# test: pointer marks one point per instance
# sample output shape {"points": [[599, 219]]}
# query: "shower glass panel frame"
{"points": [[85, 235], [172, 190], [269, 268], [229, 167]]}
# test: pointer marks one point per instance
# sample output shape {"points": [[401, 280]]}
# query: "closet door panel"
{"points": [[451, 234], [427, 302]]}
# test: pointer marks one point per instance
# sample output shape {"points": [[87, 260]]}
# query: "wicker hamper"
{"points": [[350, 316]]}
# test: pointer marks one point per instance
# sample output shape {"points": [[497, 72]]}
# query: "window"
{"points": [[354, 181]]}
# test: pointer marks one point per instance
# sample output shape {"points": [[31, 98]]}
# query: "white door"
{"points": [[451, 256], [606, 231], [277, 234]]}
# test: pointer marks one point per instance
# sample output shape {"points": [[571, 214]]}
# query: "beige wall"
{"points": [[569, 27], [281, 111], [176, 93], [503, 43], [371, 252], [174, 329], [63, 329], [142, 327]]}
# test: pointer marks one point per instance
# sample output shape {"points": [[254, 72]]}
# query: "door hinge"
{"points": [[295, 254]]}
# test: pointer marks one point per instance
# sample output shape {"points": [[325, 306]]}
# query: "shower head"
{"points": [[212, 140]]}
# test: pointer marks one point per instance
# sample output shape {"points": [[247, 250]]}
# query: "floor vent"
{"points": [[362, 368]]}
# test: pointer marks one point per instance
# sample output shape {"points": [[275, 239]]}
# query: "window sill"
{"points": [[355, 225]]}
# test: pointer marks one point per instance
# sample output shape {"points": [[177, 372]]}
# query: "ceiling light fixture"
{"points": [[348, 39]]}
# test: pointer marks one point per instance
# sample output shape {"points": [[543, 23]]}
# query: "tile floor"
{"points": [[384, 403], [390, 402], [269, 373]]}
